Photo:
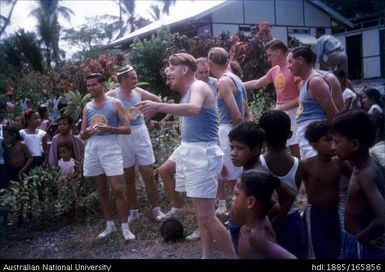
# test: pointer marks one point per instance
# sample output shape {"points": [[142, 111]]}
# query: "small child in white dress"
{"points": [[67, 164]]}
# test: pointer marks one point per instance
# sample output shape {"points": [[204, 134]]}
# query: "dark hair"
{"points": [[65, 117], [99, 77], [355, 124], [373, 94], [172, 230], [42, 110], [340, 74], [261, 185], [61, 107], [275, 45], [316, 130], [66, 144], [13, 131], [321, 30], [28, 114], [236, 68], [379, 121], [249, 133], [305, 52], [276, 125]]}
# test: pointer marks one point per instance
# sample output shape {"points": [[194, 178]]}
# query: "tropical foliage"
{"points": [[47, 15], [40, 197]]}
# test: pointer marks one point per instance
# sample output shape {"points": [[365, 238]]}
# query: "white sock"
{"points": [[175, 209], [134, 211], [125, 226], [110, 224], [156, 209]]}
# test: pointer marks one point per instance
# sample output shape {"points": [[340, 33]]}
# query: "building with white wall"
{"points": [[289, 19]]}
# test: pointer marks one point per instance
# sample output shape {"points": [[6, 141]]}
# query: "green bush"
{"points": [[148, 58], [40, 198], [261, 101], [164, 141]]}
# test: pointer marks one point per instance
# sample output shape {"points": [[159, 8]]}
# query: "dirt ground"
{"points": [[76, 239]]}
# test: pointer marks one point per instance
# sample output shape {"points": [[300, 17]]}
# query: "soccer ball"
{"points": [[172, 230]]}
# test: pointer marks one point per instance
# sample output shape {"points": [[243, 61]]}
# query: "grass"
{"points": [[75, 238]]}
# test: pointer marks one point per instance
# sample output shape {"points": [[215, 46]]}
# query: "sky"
{"points": [[82, 9]]}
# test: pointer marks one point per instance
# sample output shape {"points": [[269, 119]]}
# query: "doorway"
{"points": [[382, 51], [354, 53]]}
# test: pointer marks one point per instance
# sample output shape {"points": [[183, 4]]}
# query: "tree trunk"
{"points": [[7, 20]]}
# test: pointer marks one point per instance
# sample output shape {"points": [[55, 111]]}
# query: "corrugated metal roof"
{"points": [[167, 21], [184, 17]]}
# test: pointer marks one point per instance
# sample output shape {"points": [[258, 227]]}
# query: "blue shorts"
{"points": [[290, 234], [323, 233], [354, 250]]}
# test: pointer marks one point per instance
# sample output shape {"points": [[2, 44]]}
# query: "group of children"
{"points": [[26, 148], [342, 149]]}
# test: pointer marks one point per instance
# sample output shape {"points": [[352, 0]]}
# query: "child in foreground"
{"points": [[353, 133], [250, 205]]}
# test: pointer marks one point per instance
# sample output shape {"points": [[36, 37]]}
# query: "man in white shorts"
{"points": [[315, 98], [136, 147], [232, 99], [104, 118], [199, 157], [168, 168]]}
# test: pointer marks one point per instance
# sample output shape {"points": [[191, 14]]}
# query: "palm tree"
{"points": [[28, 46], [167, 4], [21, 51], [133, 21], [161, 7], [155, 12], [47, 15], [6, 20]]}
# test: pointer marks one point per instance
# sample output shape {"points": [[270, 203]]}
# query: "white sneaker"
{"points": [[133, 216], [156, 212], [107, 232], [195, 235], [221, 207], [173, 213], [128, 235]]}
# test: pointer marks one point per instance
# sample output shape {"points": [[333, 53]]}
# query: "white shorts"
{"points": [[103, 155], [233, 172], [305, 148], [179, 183], [293, 126], [137, 147], [198, 166]]}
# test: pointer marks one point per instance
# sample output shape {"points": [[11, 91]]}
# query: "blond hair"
{"points": [[183, 59]]}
